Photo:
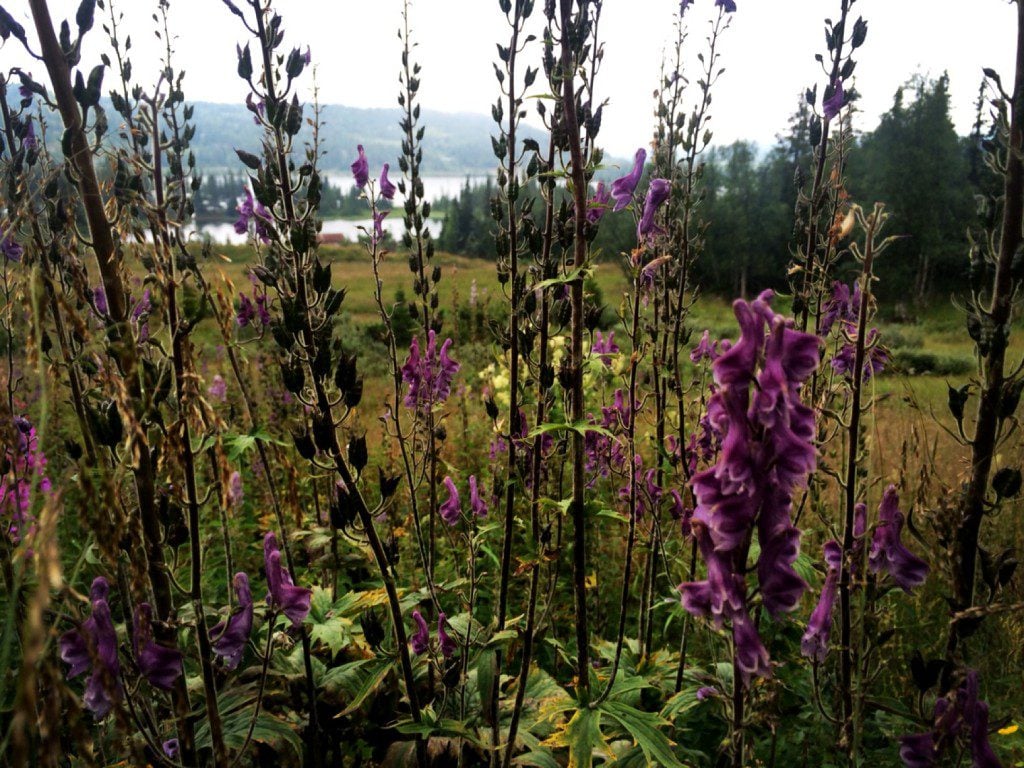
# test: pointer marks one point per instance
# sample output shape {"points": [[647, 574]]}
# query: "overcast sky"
{"points": [[768, 53]]}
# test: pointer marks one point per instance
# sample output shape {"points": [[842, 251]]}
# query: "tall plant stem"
{"points": [[986, 435]]}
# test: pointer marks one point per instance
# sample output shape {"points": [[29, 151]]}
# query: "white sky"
{"points": [[768, 53]]}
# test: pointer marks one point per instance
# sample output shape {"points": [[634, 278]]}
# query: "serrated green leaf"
{"points": [[357, 680], [582, 735], [644, 727]]}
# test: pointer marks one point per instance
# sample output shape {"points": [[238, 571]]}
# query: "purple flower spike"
{"points": [[94, 645], [729, 6], [476, 503], [361, 168], [230, 637], [888, 554], [448, 645], [429, 375], [160, 665], [451, 510], [421, 638], [604, 347], [387, 189], [814, 644], [705, 349], [623, 188], [834, 103], [291, 600], [657, 193]]}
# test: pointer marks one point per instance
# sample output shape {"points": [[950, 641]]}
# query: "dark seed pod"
{"points": [[323, 432], [388, 485], [357, 453], [304, 445], [373, 629], [293, 375]]}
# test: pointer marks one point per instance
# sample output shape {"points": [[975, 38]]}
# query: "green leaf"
{"points": [[357, 680], [644, 727], [582, 735], [576, 274]]}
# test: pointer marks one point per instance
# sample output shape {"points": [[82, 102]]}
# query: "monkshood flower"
{"points": [[387, 188], [23, 461], [888, 554], [959, 716], [421, 638], [249, 312], [767, 451], [476, 503], [623, 188], [361, 168], [704, 692], [448, 645], [230, 636], [94, 646], [834, 103], [252, 211], [598, 204], [705, 349], [218, 388], [814, 644], [171, 748], [9, 248], [843, 305], [307, 57], [292, 601], [160, 665], [429, 376], [729, 6], [451, 509], [604, 347], [875, 356], [657, 193], [29, 141], [378, 226], [99, 298]]}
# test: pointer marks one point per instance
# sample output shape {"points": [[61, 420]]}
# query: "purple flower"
{"points": [[94, 645], [706, 692], [729, 6], [307, 57], [99, 298], [888, 554], [623, 188], [252, 211], [171, 748], [834, 103], [682, 9], [230, 637], [361, 169], [604, 347], [705, 349], [476, 503], [448, 645], [657, 193], [387, 189], [842, 305], [235, 492], [378, 225], [814, 644], [917, 750], [218, 388], [421, 638], [429, 377], [451, 510], [598, 204], [875, 356], [160, 665], [29, 141], [293, 601], [248, 311], [9, 248]]}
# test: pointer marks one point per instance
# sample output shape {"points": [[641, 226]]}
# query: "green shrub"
{"points": [[917, 361]]}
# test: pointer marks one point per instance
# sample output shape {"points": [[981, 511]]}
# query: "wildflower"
{"points": [[598, 204], [604, 347], [361, 168], [171, 748], [429, 377], [888, 554], [29, 140], [387, 189], [307, 57], [834, 103], [657, 193], [235, 492], [293, 601], [248, 312], [875, 357], [160, 665], [842, 305], [421, 638], [623, 188], [448, 645], [99, 299], [378, 225], [729, 6], [252, 211], [23, 461], [451, 510], [9, 248], [218, 388], [814, 644], [705, 349], [767, 450], [476, 504], [94, 645], [230, 636], [706, 692]]}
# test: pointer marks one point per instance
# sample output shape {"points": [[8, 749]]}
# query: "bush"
{"points": [[918, 361]]}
